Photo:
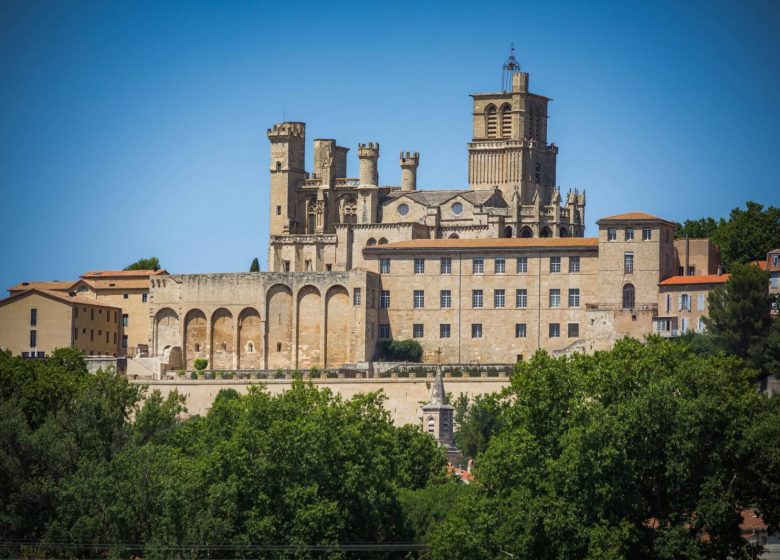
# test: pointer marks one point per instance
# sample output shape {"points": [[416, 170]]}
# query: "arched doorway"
{"points": [[526, 232]]}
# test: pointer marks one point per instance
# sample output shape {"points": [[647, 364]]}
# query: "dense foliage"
{"points": [[151, 263], [255, 266], [747, 235], [304, 467], [408, 350], [647, 451]]}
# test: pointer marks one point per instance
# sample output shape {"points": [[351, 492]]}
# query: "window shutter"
{"points": [[680, 303]]}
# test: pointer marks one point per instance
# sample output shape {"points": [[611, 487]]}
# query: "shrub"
{"points": [[400, 350], [180, 373], [200, 363]]}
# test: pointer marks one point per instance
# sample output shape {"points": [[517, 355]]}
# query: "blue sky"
{"points": [[136, 129]]}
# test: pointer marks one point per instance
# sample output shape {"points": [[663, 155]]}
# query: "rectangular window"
{"points": [[76, 312], [521, 297], [125, 319], [629, 234], [555, 264], [445, 298], [286, 266], [476, 330], [555, 330], [476, 298], [628, 262], [384, 331], [668, 302], [91, 335], [611, 234], [444, 330], [384, 266], [384, 299], [33, 339], [445, 265], [278, 210], [520, 330], [419, 299], [107, 335], [114, 338], [328, 267], [419, 266], [555, 297], [91, 314], [33, 317], [75, 334], [356, 297], [685, 302], [574, 264], [144, 298], [574, 330], [499, 299], [418, 330], [478, 266], [307, 265], [522, 265], [574, 297], [500, 265], [647, 234], [124, 341], [691, 271], [700, 302], [125, 296]]}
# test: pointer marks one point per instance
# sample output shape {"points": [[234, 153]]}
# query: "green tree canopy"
{"points": [[634, 453], [151, 263], [255, 266], [697, 229]]}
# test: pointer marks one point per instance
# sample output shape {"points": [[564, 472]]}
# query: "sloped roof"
{"points": [[701, 279], [507, 243], [633, 216], [59, 296], [56, 285], [122, 273], [439, 197]]}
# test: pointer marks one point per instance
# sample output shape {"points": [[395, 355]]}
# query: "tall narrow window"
{"points": [[629, 234], [685, 302], [476, 299], [33, 317], [445, 265], [628, 262], [478, 266], [384, 266], [384, 299], [574, 297], [125, 319], [419, 299], [33, 339], [356, 297], [144, 298], [445, 297], [555, 297], [491, 118], [555, 264], [499, 298], [521, 297], [506, 121], [419, 266], [574, 264], [522, 265], [500, 265], [628, 296]]}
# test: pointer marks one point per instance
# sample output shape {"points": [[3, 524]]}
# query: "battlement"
{"points": [[287, 130], [368, 150], [410, 158]]}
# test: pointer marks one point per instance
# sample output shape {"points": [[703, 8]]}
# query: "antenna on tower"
{"points": [[511, 67]]}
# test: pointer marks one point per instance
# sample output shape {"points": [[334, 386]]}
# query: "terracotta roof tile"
{"points": [[760, 264], [702, 279], [121, 273], [642, 216], [53, 285], [503, 243], [65, 298]]}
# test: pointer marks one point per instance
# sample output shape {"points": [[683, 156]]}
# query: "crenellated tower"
{"points": [[409, 163], [288, 151]]}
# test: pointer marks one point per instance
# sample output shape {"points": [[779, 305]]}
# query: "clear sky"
{"points": [[138, 128]]}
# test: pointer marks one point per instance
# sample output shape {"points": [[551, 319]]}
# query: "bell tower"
{"points": [[288, 145]]}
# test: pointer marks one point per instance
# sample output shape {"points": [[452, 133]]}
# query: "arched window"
{"points": [[564, 232], [526, 233], [506, 121], [454, 236], [224, 347], [278, 165], [197, 347], [546, 232], [278, 346], [629, 296], [382, 241], [371, 242], [349, 210], [491, 121], [250, 347], [508, 231], [431, 424]]}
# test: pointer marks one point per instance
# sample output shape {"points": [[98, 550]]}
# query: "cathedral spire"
{"points": [[510, 68]]}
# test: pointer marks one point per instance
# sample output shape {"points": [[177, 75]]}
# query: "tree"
{"points": [[200, 363], [740, 318], [748, 234], [408, 350], [646, 451], [477, 423], [255, 266], [151, 263], [697, 229]]}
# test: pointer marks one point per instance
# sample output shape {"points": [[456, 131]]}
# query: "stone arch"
{"points": [[506, 120], [564, 232], [491, 121], [338, 320], [195, 337], [526, 232], [250, 335], [382, 241], [371, 242], [167, 325], [222, 339], [629, 296], [309, 336], [454, 236], [278, 326], [508, 231], [311, 216], [546, 232]]}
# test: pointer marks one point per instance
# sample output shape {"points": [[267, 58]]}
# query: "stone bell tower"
{"points": [[438, 418], [288, 150]]}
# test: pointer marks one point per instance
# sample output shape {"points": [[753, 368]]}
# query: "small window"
{"points": [[91, 314], [668, 303], [574, 264], [384, 331], [286, 266], [629, 234], [522, 265], [647, 234], [125, 319], [384, 266], [431, 425], [555, 330], [685, 302], [384, 299], [500, 265], [278, 346], [307, 265], [444, 330], [478, 266], [520, 330], [445, 265], [250, 347], [457, 209], [574, 297], [555, 264], [107, 336], [476, 330], [75, 334], [692, 270], [418, 330], [611, 234], [445, 298], [628, 262], [403, 209], [91, 335], [419, 266], [144, 298], [76, 312], [555, 298], [499, 299], [33, 317], [521, 298], [328, 267], [574, 330], [476, 299], [356, 297], [125, 296], [278, 210], [33, 339], [124, 341], [419, 299]]}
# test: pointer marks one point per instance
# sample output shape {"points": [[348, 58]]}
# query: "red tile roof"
{"points": [[701, 279], [502, 243], [59, 296], [632, 216], [122, 273], [760, 264], [53, 285]]}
